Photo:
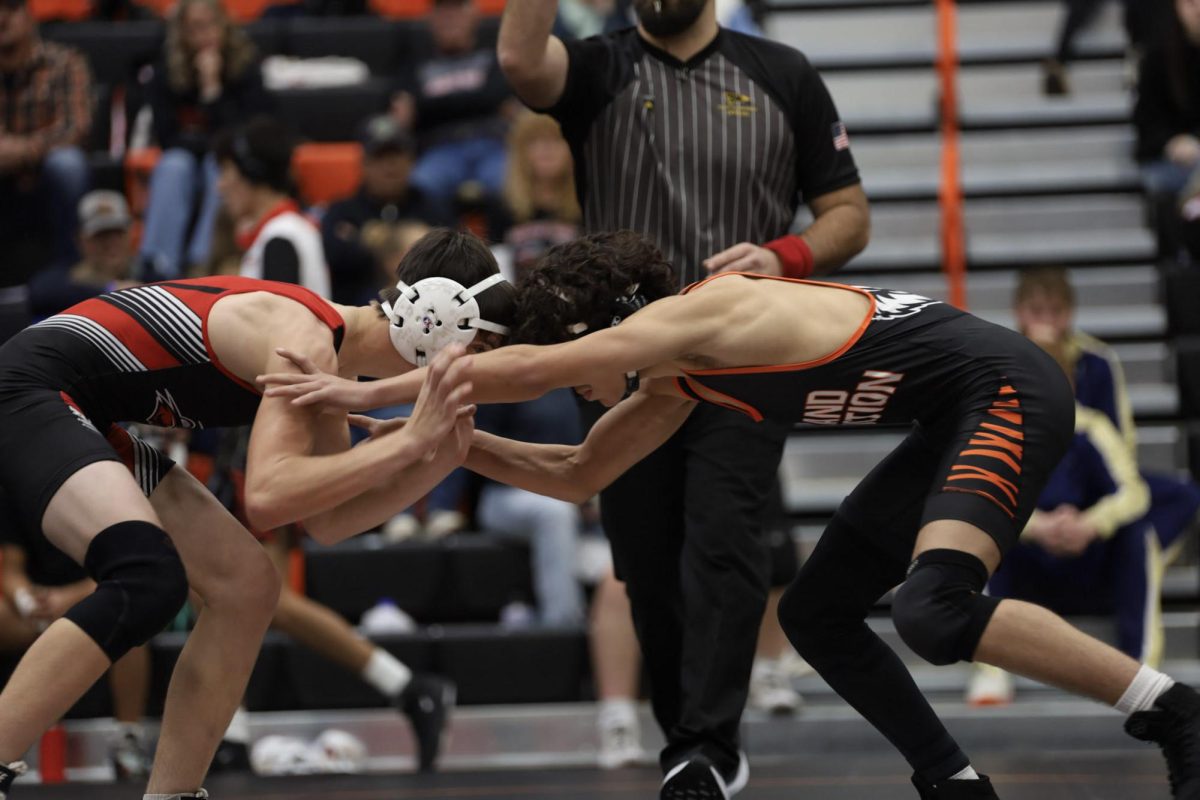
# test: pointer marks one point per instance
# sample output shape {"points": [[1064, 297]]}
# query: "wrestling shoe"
{"points": [[231, 757], [9, 774], [620, 738], [771, 689], [980, 789], [427, 701], [1174, 725]]}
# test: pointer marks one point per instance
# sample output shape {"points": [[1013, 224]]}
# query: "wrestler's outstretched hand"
{"points": [[445, 389], [314, 387]]}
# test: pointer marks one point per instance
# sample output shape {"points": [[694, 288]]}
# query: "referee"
{"points": [[706, 141]]}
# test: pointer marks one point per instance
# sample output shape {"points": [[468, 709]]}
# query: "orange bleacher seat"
{"points": [[327, 171], [250, 10], [413, 9], [64, 10]]}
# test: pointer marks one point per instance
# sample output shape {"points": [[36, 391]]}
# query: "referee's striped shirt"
{"points": [[701, 155]]}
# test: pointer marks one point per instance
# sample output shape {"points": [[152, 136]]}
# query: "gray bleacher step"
{"points": [[890, 36], [993, 96], [1001, 162], [1071, 229], [820, 467]]}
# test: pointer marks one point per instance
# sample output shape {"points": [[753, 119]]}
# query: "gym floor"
{"points": [[1100, 775]]}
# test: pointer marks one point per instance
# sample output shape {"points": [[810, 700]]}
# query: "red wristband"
{"points": [[795, 256]]}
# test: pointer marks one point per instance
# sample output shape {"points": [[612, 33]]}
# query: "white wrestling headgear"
{"points": [[435, 312]]}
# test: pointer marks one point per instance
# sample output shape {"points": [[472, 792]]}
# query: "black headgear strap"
{"points": [[623, 307]]}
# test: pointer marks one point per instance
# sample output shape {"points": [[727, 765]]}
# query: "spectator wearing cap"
{"points": [[386, 197], [277, 241], [45, 115], [208, 80], [458, 102], [108, 258]]}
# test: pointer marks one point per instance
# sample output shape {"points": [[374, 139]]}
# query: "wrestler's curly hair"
{"points": [[582, 280]]}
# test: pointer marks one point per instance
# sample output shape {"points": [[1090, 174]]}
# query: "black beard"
{"points": [[675, 16]]}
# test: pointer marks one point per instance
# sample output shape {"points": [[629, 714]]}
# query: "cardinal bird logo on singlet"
{"points": [[893, 304], [166, 413]]}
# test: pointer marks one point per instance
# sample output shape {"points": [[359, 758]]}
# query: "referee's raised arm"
{"points": [[534, 61]]}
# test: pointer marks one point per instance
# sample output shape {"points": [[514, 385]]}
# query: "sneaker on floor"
{"points": [[231, 757], [694, 779], [131, 759], [620, 745], [10, 773], [771, 689], [427, 702], [980, 789], [1174, 724], [989, 686]]}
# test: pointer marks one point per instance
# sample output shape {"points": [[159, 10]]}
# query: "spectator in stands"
{"points": [[208, 79], [1044, 307], [1140, 17], [552, 526], [458, 102], [46, 109], [1088, 548], [1167, 116], [278, 242], [540, 208], [351, 227], [617, 665], [108, 257], [39, 584]]}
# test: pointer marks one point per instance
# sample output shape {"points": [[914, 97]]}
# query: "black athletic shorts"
{"points": [[45, 439]]}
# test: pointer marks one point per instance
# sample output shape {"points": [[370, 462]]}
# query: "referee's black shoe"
{"points": [[427, 702], [694, 779], [1174, 725], [980, 789]]}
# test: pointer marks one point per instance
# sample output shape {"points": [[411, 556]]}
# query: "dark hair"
{"points": [[583, 280], [462, 257], [1051, 281], [261, 151]]}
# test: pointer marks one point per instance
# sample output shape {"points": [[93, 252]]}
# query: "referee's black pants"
{"points": [[686, 531]]}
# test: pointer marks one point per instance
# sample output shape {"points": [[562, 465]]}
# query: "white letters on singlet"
{"points": [[864, 407]]}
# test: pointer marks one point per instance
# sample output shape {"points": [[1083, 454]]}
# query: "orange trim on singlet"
{"points": [[981, 494], [853, 340], [996, 454], [991, 426], [710, 395], [970, 472], [1011, 417], [992, 440]]}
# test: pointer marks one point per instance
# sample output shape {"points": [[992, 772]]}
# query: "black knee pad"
{"points": [[940, 610], [140, 587]]}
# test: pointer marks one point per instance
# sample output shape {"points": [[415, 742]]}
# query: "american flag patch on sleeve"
{"points": [[841, 139]]}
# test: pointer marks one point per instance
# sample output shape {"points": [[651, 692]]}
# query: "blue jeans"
{"points": [[440, 170], [175, 183], [65, 180], [1165, 177], [552, 528]]}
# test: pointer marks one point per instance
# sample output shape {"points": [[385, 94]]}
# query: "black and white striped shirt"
{"points": [[700, 155]]}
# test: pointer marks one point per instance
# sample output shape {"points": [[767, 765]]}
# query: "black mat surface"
{"points": [[1119, 775]]}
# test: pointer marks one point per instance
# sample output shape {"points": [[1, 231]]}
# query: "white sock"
{"points": [[386, 674], [968, 774], [239, 728], [1148, 685], [617, 712]]}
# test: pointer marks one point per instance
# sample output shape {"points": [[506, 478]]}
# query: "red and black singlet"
{"points": [[143, 354]]}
